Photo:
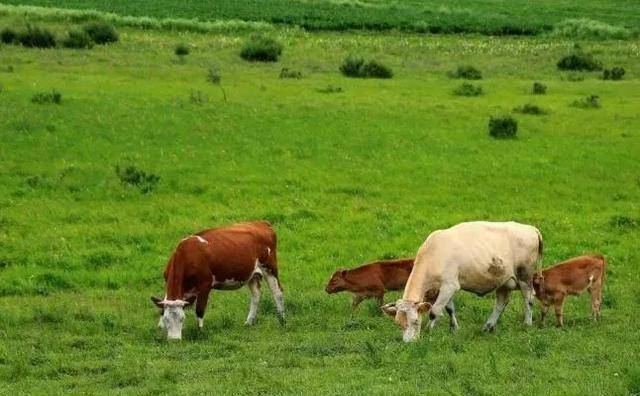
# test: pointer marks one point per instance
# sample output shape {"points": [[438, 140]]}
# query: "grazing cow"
{"points": [[476, 256], [224, 258], [571, 277]]}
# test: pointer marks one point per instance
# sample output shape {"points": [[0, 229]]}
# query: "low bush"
{"points": [[8, 36], [539, 88], [261, 48], [288, 73], [354, 66], [468, 89], [35, 37], [590, 102], [78, 39], [101, 32], [503, 127], [134, 177], [47, 97], [181, 50], [466, 72], [615, 73], [585, 28], [530, 108], [579, 60]]}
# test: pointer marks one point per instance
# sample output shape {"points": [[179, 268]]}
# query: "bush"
{"points": [[590, 102], [287, 73], [181, 50], [213, 76], [354, 66], [466, 72], [585, 28], [503, 127], [8, 36], [539, 88], [261, 48], [101, 32], [615, 73], [132, 176], [78, 39], [47, 97], [35, 37], [468, 89], [530, 109], [579, 60]]}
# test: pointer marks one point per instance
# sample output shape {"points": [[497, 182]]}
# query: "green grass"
{"points": [[436, 16], [345, 178]]}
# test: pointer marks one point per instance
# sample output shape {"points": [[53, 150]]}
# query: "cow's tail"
{"points": [[540, 247]]}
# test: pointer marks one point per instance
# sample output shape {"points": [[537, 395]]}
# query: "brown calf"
{"points": [[571, 277]]}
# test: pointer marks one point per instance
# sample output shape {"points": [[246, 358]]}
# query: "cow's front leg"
{"points": [[254, 305], [357, 299], [502, 299], [201, 304], [453, 320], [527, 296], [544, 308], [445, 295]]}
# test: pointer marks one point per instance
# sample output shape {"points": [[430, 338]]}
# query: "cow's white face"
{"points": [[408, 315], [172, 318]]}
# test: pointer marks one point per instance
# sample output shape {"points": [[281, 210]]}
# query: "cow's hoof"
{"points": [[282, 320], [453, 328], [489, 327], [250, 322]]}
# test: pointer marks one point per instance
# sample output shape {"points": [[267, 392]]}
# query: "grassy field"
{"points": [[344, 177], [452, 16]]}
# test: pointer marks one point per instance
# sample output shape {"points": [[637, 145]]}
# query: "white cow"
{"points": [[476, 256]]}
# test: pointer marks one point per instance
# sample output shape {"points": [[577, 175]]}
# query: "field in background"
{"points": [[436, 16], [345, 177]]}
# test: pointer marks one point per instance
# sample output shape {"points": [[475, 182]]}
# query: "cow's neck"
{"points": [[416, 286], [175, 290]]}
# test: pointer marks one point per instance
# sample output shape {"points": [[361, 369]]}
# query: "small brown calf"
{"points": [[571, 277]]}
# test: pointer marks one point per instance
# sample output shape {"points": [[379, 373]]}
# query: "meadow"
{"points": [[345, 176]]}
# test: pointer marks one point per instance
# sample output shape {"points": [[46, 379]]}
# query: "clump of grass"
{"points": [[36, 37], [329, 89], [54, 97], [197, 97], [355, 66], [633, 383], [134, 177], [215, 77], [574, 77], [102, 32], [585, 28], [503, 127], [8, 36], [468, 89], [590, 102], [181, 50], [530, 108], [624, 222], [615, 73], [261, 48], [579, 60], [539, 88], [288, 73], [78, 39], [466, 72]]}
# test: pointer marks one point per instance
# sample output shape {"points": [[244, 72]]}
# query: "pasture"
{"points": [[345, 176]]}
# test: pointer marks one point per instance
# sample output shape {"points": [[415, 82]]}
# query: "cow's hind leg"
{"points": [[502, 299], [527, 296], [254, 305], [278, 296], [453, 320], [445, 295]]}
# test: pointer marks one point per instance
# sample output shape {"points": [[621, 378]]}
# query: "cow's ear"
{"points": [[423, 307], [343, 273], [158, 302], [389, 309]]}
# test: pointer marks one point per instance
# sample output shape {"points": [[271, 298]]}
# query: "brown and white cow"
{"points": [[476, 256], [570, 277], [224, 258]]}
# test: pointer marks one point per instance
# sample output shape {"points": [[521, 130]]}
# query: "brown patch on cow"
{"points": [[496, 268]]}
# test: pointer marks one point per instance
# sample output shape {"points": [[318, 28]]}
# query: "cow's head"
{"points": [[408, 315], [538, 282], [337, 283], [172, 316]]}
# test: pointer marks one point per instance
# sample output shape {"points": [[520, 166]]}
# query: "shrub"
{"points": [[355, 66], [261, 48], [585, 28], [132, 176], [8, 36], [468, 89], [530, 108], [47, 97], [503, 127], [35, 37], [330, 89], [579, 60], [78, 39], [615, 73], [590, 102], [213, 76], [101, 32], [539, 88], [287, 73], [467, 72], [181, 50]]}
